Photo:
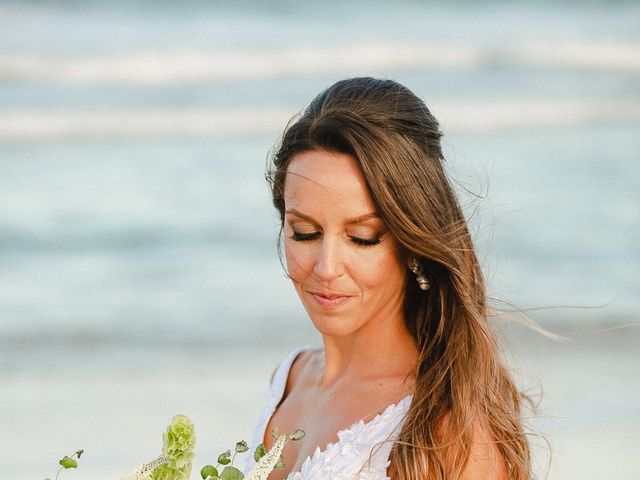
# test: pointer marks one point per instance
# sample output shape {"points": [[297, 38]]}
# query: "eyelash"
{"points": [[307, 237]]}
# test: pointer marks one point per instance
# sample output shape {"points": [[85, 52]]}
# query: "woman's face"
{"points": [[344, 263]]}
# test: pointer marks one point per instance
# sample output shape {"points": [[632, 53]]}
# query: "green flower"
{"points": [[178, 443]]}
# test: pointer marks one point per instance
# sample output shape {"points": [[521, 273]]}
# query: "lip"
{"points": [[330, 300]]}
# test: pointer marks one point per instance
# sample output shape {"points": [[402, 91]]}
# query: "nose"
{"points": [[329, 263]]}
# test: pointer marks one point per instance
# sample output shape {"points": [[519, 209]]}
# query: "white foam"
{"points": [[455, 116], [192, 66], [492, 115], [169, 68], [592, 56], [39, 125]]}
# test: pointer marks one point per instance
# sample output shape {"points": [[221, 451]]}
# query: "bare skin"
{"points": [[322, 406]]}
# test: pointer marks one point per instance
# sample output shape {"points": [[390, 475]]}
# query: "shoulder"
{"points": [[485, 460], [294, 366], [300, 367], [303, 360]]}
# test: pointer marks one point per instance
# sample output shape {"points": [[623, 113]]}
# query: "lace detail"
{"points": [[361, 450]]}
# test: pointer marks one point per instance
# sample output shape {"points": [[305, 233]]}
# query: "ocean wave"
{"points": [[619, 324], [494, 115], [52, 125], [20, 240], [193, 66], [455, 116]]}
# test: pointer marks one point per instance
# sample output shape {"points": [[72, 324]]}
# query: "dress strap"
{"points": [[274, 397], [281, 375]]}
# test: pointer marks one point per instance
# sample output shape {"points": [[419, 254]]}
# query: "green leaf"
{"points": [[208, 471], [260, 452], [224, 458], [297, 435], [68, 462], [280, 465], [241, 446], [231, 473]]}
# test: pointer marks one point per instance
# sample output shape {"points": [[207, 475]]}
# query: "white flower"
{"points": [[144, 471], [266, 464]]}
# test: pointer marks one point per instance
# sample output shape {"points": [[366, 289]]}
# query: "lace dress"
{"points": [[361, 451]]}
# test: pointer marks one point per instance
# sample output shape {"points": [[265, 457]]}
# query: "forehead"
{"points": [[327, 181]]}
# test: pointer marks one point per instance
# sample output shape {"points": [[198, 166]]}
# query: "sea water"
{"points": [[138, 253]]}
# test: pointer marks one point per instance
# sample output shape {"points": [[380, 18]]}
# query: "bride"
{"points": [[409, 384]]}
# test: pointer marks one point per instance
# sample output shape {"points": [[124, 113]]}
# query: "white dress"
{"points": [[361, 451]]}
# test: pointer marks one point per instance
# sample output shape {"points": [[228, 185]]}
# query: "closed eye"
{"points": [[365, 242], [304, 237]]}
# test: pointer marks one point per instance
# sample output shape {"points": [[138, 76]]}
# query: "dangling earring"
{"points": [[423, 282]]}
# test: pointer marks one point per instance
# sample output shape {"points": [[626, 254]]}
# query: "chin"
{"points": [[334, 325]]}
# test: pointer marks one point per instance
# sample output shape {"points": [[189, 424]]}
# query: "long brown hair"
{"points": [[460, 380]]}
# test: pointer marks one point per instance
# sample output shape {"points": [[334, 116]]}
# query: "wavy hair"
{"points": [[461, 381]]}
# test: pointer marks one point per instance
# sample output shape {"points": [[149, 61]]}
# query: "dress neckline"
{"points": [[388, 412], [277, 389]]}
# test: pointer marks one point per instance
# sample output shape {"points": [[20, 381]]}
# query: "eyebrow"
{"points": [[350, 221]]}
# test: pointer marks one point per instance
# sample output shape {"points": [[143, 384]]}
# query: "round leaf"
{"points": [[208, 471], [68, 462], [241, 446], [260, 452], [297, 435], [224, 458], [231, 473]]}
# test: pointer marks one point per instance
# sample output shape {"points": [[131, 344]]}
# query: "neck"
{"points": [[384, 348]]}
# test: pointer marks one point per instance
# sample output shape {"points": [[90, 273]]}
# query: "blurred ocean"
{"points": [[138, 269]]}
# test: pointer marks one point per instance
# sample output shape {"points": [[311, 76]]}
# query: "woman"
{"points": [[409, 383]]}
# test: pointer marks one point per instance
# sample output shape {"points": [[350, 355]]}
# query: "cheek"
{"points": [[298, 261], [384, 271]]}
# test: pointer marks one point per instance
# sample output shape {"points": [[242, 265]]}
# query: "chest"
{"points": [[321, 417]]}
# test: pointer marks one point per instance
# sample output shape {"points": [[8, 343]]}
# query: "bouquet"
{"points": [[177, 457]]}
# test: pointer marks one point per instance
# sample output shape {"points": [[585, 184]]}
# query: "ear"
{"points": [[405, 256]]}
